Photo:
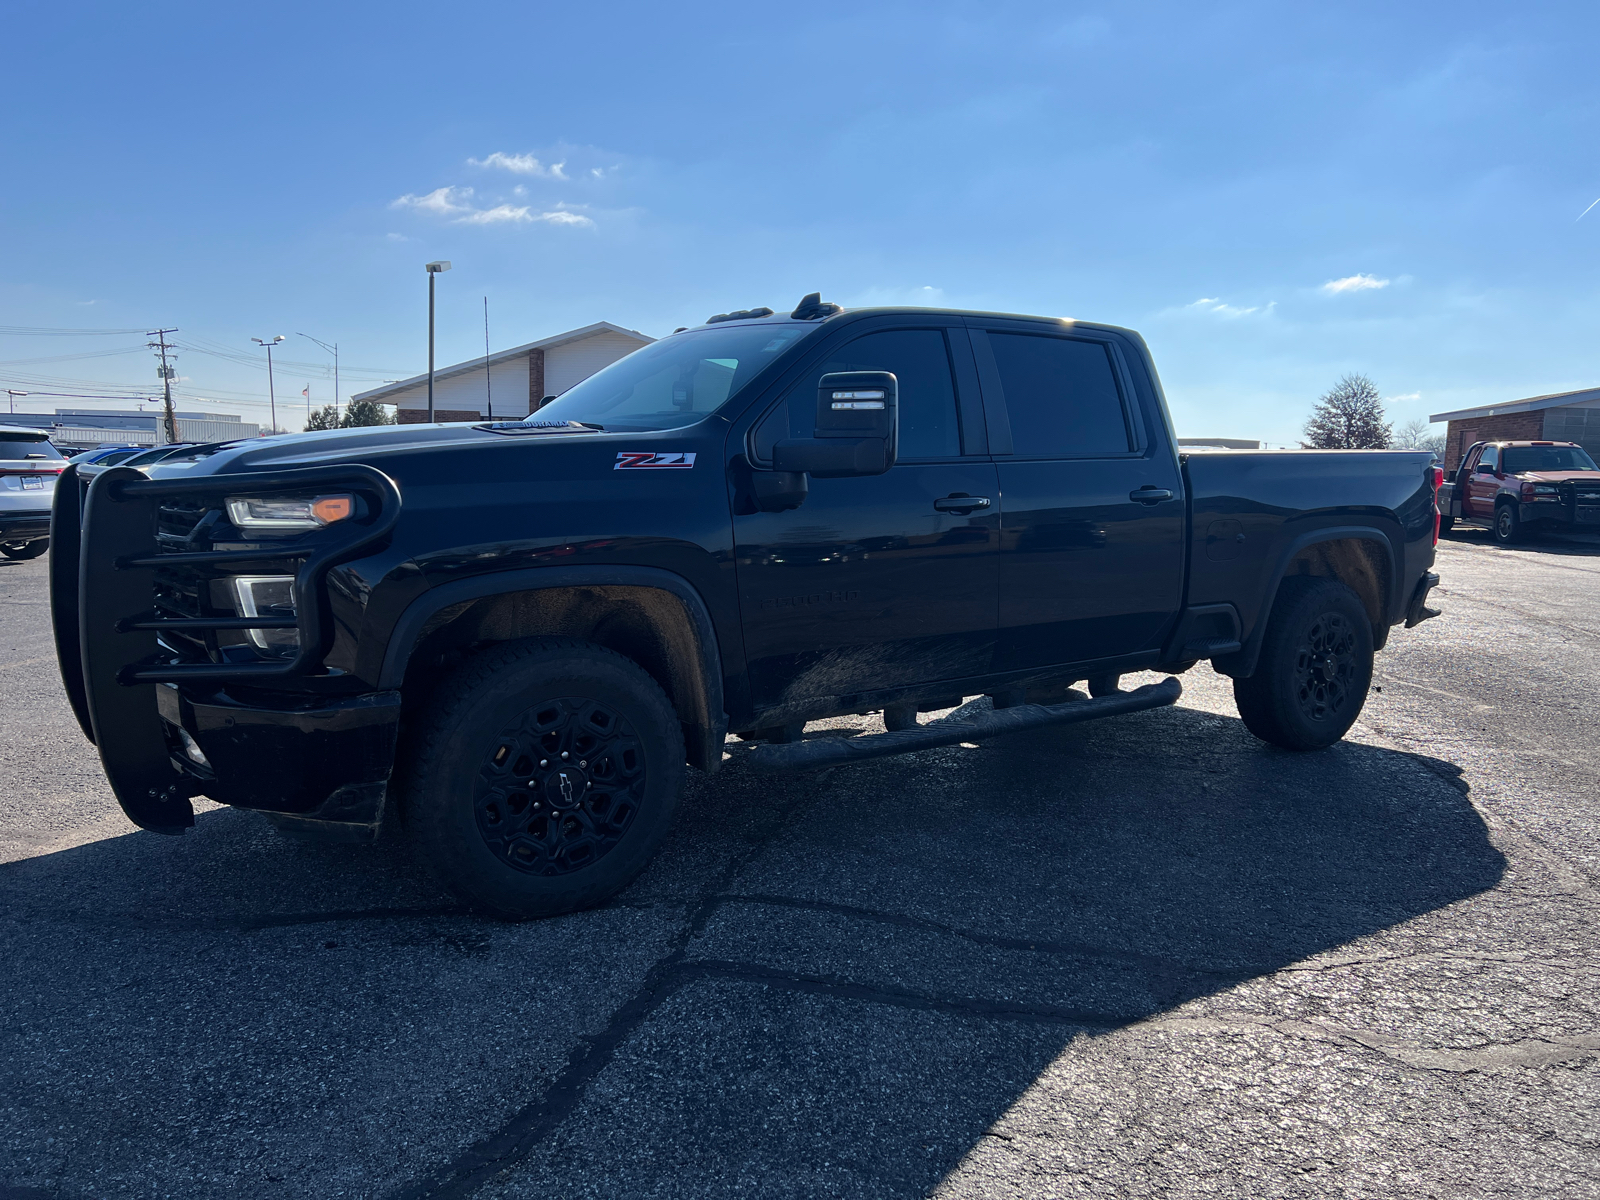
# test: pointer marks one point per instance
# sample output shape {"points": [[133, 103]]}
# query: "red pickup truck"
{"points": [[1516, 487]]}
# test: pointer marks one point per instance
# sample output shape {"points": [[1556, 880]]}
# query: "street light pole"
{"points": [[433, 269], [12, 394], [272, 392], [333, 350]]}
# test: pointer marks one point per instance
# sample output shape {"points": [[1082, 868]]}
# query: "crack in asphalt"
{"points": [[1491, 1057], [1005, 943]]}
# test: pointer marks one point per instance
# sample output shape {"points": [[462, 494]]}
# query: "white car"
{"points": [[29, 468]]}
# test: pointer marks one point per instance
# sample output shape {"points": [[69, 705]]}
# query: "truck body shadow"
{"points": [[831, 984]]}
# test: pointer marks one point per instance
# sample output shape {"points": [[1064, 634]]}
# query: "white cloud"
{"points": [[1402, 398], [498, 215], [1354, 283], [1216, 308], [926, 296], [441, 202], [453, 202], [520, 164]]}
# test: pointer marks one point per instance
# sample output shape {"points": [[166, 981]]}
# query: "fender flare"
{"points": [[1242, 664], [707, 722]]}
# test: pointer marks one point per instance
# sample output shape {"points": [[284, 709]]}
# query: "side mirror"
{"points": [[857, 433]]}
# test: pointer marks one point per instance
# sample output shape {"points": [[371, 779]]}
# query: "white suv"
{"points": [[29, 468]]}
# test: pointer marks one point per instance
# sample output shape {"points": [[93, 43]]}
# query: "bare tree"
{"points": [[1417, 434], [1348, 417]]}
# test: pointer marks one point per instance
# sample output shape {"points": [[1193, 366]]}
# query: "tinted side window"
{"points": [[920, 361], [1490, 459], [1061, 396]]}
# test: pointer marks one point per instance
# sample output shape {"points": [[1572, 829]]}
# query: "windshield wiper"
{"points": [[516, 428]]}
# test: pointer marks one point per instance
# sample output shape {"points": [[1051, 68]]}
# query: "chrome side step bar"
{"points": [[833, 752]]}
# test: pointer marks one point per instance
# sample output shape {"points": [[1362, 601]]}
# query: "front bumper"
{"points": [[138, 671], [324, 763]]}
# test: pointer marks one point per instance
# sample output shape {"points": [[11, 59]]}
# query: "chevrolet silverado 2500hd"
{"points": [[521, 632]]}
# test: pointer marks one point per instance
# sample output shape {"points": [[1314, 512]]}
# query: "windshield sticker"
{"points": [[645, 460]]}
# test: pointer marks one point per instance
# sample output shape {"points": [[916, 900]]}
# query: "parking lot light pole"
{"points": [[12, 393], [333, 350], [433, 269], [272, 393]]}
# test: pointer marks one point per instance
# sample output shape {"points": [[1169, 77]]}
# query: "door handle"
{"points": [[961, 504], [1150, 495]]}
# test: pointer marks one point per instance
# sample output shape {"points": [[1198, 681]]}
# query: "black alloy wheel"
{"points": [[542, 777], [1325, 669], [1315, 669], [561, 787]]}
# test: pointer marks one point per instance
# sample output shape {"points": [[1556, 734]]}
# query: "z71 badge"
{"points": [[645, 460]]}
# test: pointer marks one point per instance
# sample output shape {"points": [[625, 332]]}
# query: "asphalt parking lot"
{"points": [[1145, 957]]}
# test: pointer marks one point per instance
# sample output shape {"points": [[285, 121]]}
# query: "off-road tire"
{"points": [[1446, 524], [485, 813], [1315, 667], [1508, 526], [26, 549]]}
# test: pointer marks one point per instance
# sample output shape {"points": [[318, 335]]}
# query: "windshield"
{"points": [[1514, 460], [20, 445], [677, 381]]}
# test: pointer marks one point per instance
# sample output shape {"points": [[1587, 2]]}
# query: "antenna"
{"points": [[488, 386]]}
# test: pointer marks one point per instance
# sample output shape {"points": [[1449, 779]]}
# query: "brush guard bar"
{"points": [[104, 556]]}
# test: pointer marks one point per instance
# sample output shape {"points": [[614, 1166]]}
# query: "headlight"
{"points": [[288, 512], [1540, 489], [267, 596]]}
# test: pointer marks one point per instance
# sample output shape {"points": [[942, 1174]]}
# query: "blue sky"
{"points": [[1201, 173]]}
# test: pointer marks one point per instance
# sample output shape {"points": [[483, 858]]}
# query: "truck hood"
{"points": [[1558, 476], [375, 445]]}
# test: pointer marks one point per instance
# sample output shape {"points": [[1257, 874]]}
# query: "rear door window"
{"points": [[1061, 396]]}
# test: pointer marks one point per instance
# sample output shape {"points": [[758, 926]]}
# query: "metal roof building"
{"points": [[1560, 417], [72, 430], [514, 380]]}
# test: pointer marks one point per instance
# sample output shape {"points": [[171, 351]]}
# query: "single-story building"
{"points": [[514, 381], [1218, 444], [74, 430], [1559, 417]]}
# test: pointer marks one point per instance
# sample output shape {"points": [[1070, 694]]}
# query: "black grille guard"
{"points": [[103, 559]]}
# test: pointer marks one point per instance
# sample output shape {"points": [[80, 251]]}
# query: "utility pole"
{"points": [[333, 350], [169, 420], [433, 270], [488, 386], [272, 392]]}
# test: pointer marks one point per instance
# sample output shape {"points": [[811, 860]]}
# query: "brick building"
{"points": [[1561, 417], [514, 380]]}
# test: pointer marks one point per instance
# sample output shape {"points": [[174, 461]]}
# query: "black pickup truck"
{"points": [[518, 634]]}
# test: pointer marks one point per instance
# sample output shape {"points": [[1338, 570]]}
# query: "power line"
{"points": [[32, 331]]}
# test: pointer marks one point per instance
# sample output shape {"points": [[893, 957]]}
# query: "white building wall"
{"points": [[508, 381], [574, 362]]}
